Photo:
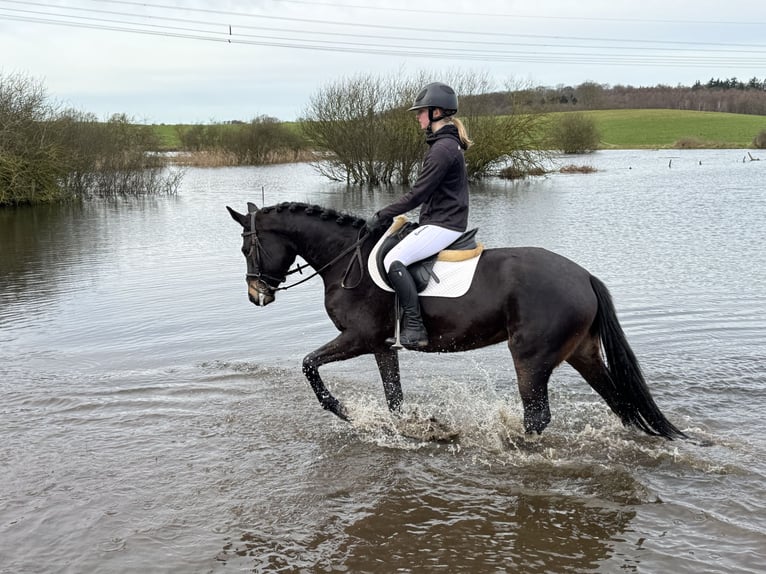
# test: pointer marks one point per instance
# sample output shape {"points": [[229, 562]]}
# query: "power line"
{"points": [[225, 34], [504, 57], [226, 29], [526, 16], [409, 28]]}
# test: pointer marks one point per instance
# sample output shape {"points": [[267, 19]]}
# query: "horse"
{"points": [[547, 308]]}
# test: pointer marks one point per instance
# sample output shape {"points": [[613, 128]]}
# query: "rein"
{"points": [[255, 249], [356, 246]]}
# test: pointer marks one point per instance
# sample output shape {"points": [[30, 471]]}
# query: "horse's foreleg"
{"points": [[339, 349], [388, 365]]}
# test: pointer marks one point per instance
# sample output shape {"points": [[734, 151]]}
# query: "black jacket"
{"points": [[441, 187]]}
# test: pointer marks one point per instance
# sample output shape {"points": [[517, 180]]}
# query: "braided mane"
{"points": [[324, 213]]}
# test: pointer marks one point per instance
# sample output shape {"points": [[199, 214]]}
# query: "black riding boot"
{"points": [[413, 334]]}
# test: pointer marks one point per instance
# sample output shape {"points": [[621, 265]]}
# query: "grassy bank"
{"points": [[627, 129]]}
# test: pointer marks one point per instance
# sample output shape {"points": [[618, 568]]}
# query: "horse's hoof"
{"points": [[336, 407], [534, 428], [426, 429]]}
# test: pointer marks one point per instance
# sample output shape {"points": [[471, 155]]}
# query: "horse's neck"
{"points": [[320, 242]]}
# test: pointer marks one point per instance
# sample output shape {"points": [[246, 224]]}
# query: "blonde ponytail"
{"points": [[462, 132]]}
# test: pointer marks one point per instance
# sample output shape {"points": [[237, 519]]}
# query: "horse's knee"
{"points": [[309, 364]]}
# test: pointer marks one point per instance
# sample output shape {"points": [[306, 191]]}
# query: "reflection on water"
{"points": [[438, 522], [153, 419], [462, 530]]}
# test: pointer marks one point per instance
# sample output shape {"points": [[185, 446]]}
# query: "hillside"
{"points": [[634, 129]]}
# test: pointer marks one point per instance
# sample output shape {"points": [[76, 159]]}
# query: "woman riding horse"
{"points": [[548, 310], [442, 192]]}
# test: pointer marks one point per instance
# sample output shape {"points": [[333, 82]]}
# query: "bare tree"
{"points": [[30, 158], [362, 128], [513, 139]]}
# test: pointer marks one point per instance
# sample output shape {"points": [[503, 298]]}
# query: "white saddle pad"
{"points": [[455, 277]]}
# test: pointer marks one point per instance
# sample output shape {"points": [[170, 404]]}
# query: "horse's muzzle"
{"points": [[259, 294]]}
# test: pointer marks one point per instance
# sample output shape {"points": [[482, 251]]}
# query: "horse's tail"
{"points": [[634, 404]]}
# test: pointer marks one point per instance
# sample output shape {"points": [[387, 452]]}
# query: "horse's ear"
{"points": [[238, 217], [251, 207]]}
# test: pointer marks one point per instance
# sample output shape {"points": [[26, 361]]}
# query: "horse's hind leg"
{"points": [[532, 375], [388, 365], [587, 361]]}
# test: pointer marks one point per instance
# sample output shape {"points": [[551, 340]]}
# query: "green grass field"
{"points": [[633, 129], [168, 136]]}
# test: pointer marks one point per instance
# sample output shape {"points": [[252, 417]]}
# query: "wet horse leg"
{"points": [[388, 365], [344, 346], [588, 362], [538, 347], [533, 370], [533, 388]]}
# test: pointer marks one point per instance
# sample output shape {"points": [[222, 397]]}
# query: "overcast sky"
{"points": [[193, 61]]}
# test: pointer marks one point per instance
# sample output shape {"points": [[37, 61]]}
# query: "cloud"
{"points": [[162, 63]]}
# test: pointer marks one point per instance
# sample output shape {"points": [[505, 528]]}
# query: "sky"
{"points": [[195, 61]]}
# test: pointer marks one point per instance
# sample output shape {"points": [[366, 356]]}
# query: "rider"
{"points": [[441, 190]]}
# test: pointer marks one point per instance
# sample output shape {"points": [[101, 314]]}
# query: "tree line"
{"points": [[356, 129], [728, 95], [263, 140]]}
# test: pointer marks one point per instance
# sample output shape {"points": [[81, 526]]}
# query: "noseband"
{"points": [[269, 282]]}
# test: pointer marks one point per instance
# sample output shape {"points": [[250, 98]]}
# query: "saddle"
{"points": [[464, 247]]}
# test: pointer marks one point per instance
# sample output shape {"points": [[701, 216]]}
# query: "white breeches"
{"points": [[421, 243]]}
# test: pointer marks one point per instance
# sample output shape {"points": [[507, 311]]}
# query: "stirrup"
{"points": [[395, 341]]}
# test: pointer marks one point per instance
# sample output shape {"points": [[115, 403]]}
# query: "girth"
{"points": [[422, 271]]}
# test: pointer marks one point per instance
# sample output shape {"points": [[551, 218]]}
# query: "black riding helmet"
{"points": [[436, 95]]}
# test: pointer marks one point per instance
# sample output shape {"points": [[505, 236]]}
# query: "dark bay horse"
{"points": [[547, 308]]}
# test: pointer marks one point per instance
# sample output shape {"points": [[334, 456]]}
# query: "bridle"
{"points": [[270, 283], [253, 258]]}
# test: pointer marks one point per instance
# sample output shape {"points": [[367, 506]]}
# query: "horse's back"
{"points": [[526, 293], [524, 264], [537, 281]]}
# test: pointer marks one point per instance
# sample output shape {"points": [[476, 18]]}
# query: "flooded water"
{"points": [[152, 419]]}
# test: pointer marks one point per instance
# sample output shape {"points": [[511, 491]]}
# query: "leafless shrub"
{"points": [[514, 172], [363, 125], [572, 168], [575, 133], [696, 143], [47, 154]]}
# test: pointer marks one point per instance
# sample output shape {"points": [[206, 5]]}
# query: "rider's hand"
{"points": [[374, 223]]}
